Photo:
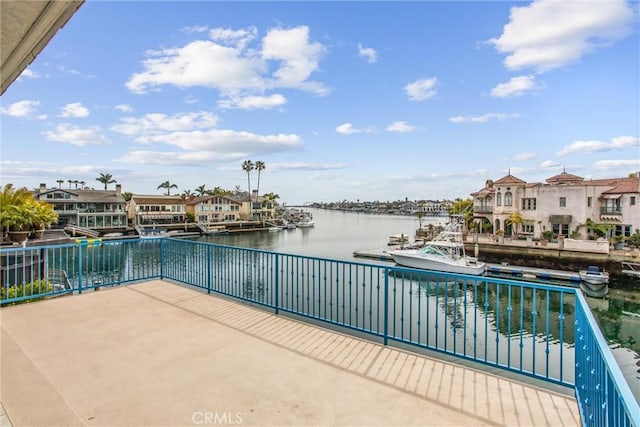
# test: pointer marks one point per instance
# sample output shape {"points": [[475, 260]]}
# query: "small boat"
{"points": [[594, 275], [155, 233], [443, 253], [274, 229], [305, 220], [216, 231], [398, 239]]}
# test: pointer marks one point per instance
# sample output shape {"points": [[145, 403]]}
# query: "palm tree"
{"points": [[515, 219], [259, 166], [168, 186], [187, 193], [70, 181], [82, 183], [248, 166], [76, 182], [106, 179], [60, 182], [201, 190]]}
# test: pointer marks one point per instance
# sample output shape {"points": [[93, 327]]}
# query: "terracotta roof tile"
{"points": [[509, 179]]}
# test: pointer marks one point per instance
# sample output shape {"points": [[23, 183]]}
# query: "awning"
{"points": [[560, 219], [610, 196]]}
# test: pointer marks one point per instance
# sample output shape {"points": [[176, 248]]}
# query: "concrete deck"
{"points": [[156, 353]]}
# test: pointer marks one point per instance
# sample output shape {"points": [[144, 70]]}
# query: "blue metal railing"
{"points": [[543, 331]]}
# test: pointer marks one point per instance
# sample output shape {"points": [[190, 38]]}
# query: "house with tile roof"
{"points": [[101, 210], [156, 209], [562, 204]]}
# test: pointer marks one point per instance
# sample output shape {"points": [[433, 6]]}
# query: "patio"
{"points": [[156, 353]]}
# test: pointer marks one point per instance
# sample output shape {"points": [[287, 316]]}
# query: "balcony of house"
{"points": [[184, 331], [483, 209], [611, 210]]}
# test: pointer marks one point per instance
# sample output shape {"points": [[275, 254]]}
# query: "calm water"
{"points": [[337, 235]]}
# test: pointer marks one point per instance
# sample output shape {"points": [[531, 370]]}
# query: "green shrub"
{"points": [[634, 240], [28, 289]]}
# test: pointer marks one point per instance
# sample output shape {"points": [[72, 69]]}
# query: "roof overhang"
{"points": [[26, 27]]}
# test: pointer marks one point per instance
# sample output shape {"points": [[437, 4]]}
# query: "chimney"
{"points": [[118, 189], [43, 187]]}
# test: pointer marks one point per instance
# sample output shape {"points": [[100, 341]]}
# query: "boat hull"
{"points": [[414, 259], [594, 279]]}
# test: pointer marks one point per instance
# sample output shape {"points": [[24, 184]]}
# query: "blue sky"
{"points": [[340, 100]]}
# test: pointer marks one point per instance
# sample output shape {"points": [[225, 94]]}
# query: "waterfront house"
{"points": [[96, 209], [156, 209], [562, 204], [217, 208]]}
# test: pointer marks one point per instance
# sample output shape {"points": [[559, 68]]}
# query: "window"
{"points": [[632, 200], [560, 229], [563, 202], [528, 226], [508, 199], [499, 199], [529, 204], [589, 202]]}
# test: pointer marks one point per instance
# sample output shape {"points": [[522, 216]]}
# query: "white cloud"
{"points": [[253, 102], [400, 127], [75, 109], [154, 123], [548, 164], [77, 135], [125, 108], [21, 108], [548, 34], [484, 118], [630, 164], [30, 74], [232, 65], [348, 129], [236, 38], [527, 155], [594, 146], [368, 53], [516, 86], [421, 89], [302, 166]]}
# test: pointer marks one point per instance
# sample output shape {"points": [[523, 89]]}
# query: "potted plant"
{"points": [[500, 236], [17, 219], [546, 236], [43, 216], [618, 242]]}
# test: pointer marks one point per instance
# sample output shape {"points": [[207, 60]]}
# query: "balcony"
{"points": [[610, 210], [482, 209], [324, 342]]}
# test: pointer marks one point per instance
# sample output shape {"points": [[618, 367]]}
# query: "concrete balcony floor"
{"points": [[156, 353]]}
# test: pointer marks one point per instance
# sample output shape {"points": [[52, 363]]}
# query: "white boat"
{"points": [[274, 229], [305, 220], [155, 233], [444, 253], [594, 275]]}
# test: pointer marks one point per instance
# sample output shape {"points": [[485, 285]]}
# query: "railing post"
{"points": [[386, 306], [161, 259], [80, 268], [277, 284], [208, 269]]}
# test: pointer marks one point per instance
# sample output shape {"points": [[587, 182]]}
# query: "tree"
{"points": [[187, 193], [259, 166], [248, 166], [515, 219], [127, 196], [201, 190], [420, 214], [167, 186], [464, 208], [219, 191], [106, 179], [82, 183]]}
